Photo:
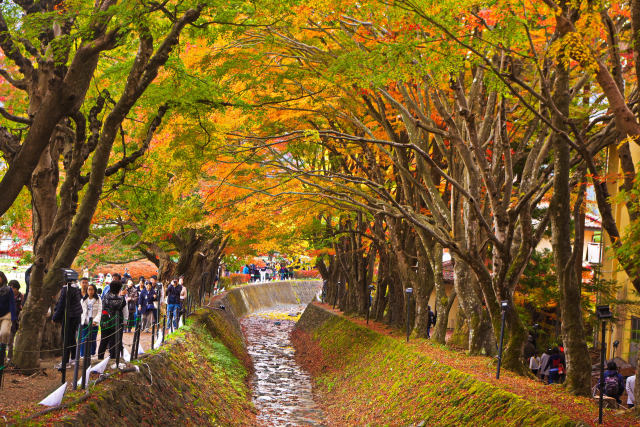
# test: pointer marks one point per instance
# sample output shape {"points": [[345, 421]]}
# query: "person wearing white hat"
{"points": [[107, 285]]}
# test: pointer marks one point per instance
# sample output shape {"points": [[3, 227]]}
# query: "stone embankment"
{"points": [[250, 298]]}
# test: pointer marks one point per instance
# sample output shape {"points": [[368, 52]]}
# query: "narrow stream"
{"points": [[281, 389]]}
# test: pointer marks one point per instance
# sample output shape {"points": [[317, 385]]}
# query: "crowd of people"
{"points": [[84, 311], [550, 367], [114, 311], [267, 272]]}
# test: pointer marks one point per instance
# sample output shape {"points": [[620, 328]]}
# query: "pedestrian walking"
{"points": [[183, 295], [543, 370], [614, 384], [91, 309], [173, 302], [19, 299], [145, 305], [431, 320], [554, 366], [159, 291], [70, 320], [132, 305], [8, 312], [84, 284], [630, 387], [534, 363], [112, 310], [107, 283]]}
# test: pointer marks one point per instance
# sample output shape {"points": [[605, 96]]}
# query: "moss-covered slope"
{"points": [[198, 378], [365, 378]]}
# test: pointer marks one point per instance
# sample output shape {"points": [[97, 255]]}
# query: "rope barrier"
{"points": [[84, 328], [110, 324]]}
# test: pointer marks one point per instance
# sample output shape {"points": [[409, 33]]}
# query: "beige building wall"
{"points": [[453, 313], [621, 330]]}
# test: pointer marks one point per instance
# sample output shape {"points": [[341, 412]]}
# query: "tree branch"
{"points": [[7, 115]]}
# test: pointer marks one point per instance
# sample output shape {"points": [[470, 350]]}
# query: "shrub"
{"points": [[234, 279], [306, 274]]}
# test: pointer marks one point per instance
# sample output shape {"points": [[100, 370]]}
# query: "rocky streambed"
{"points": [[281, 388]]}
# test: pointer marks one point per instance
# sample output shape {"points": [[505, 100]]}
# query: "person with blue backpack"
{"points": [[613, 382]]}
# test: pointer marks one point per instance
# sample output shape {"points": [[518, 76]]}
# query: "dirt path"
{"points": [[20, 392]]}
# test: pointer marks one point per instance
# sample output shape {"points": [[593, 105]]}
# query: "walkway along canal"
{"points": [[281, 388]]}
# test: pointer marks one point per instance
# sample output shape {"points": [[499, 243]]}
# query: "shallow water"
{"points": [[281, 389]]}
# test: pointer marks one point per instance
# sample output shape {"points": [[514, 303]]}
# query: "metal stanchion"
{"points": [[87, 354], [68, 276], [77, 358], [118, 340], [164, 327], [3, 356], [409, 291], [153, 334], [136, 339], [504, 305], [603, 313]]}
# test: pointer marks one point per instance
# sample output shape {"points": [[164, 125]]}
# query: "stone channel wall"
{"points": [[254, 297], [199, 377]]}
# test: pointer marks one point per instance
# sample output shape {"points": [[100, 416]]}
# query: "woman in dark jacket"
{"points": [[111, 321], [8, 312], [145, 305], [69, 317]]}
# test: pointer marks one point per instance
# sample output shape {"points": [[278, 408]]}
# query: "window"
{"points": [[635, 328]]}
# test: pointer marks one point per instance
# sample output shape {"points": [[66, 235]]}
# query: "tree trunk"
{"points": [[43, 188], [460, 336], [515, 337], [478, 322], [569, 277], [383, 290], [72, 223], [30, 331], [200, 252], [442, 305]]}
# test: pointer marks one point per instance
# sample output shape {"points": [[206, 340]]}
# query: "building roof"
{"points": [[592, 221]]}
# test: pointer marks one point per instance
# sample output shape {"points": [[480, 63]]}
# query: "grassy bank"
{"points": [[366, 378], [199, 378]]}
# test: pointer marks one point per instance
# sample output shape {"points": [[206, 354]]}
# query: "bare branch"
{"points": [[7, 115]]}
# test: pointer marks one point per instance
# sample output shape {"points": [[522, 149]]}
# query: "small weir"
{"points": [[281, 389]]}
